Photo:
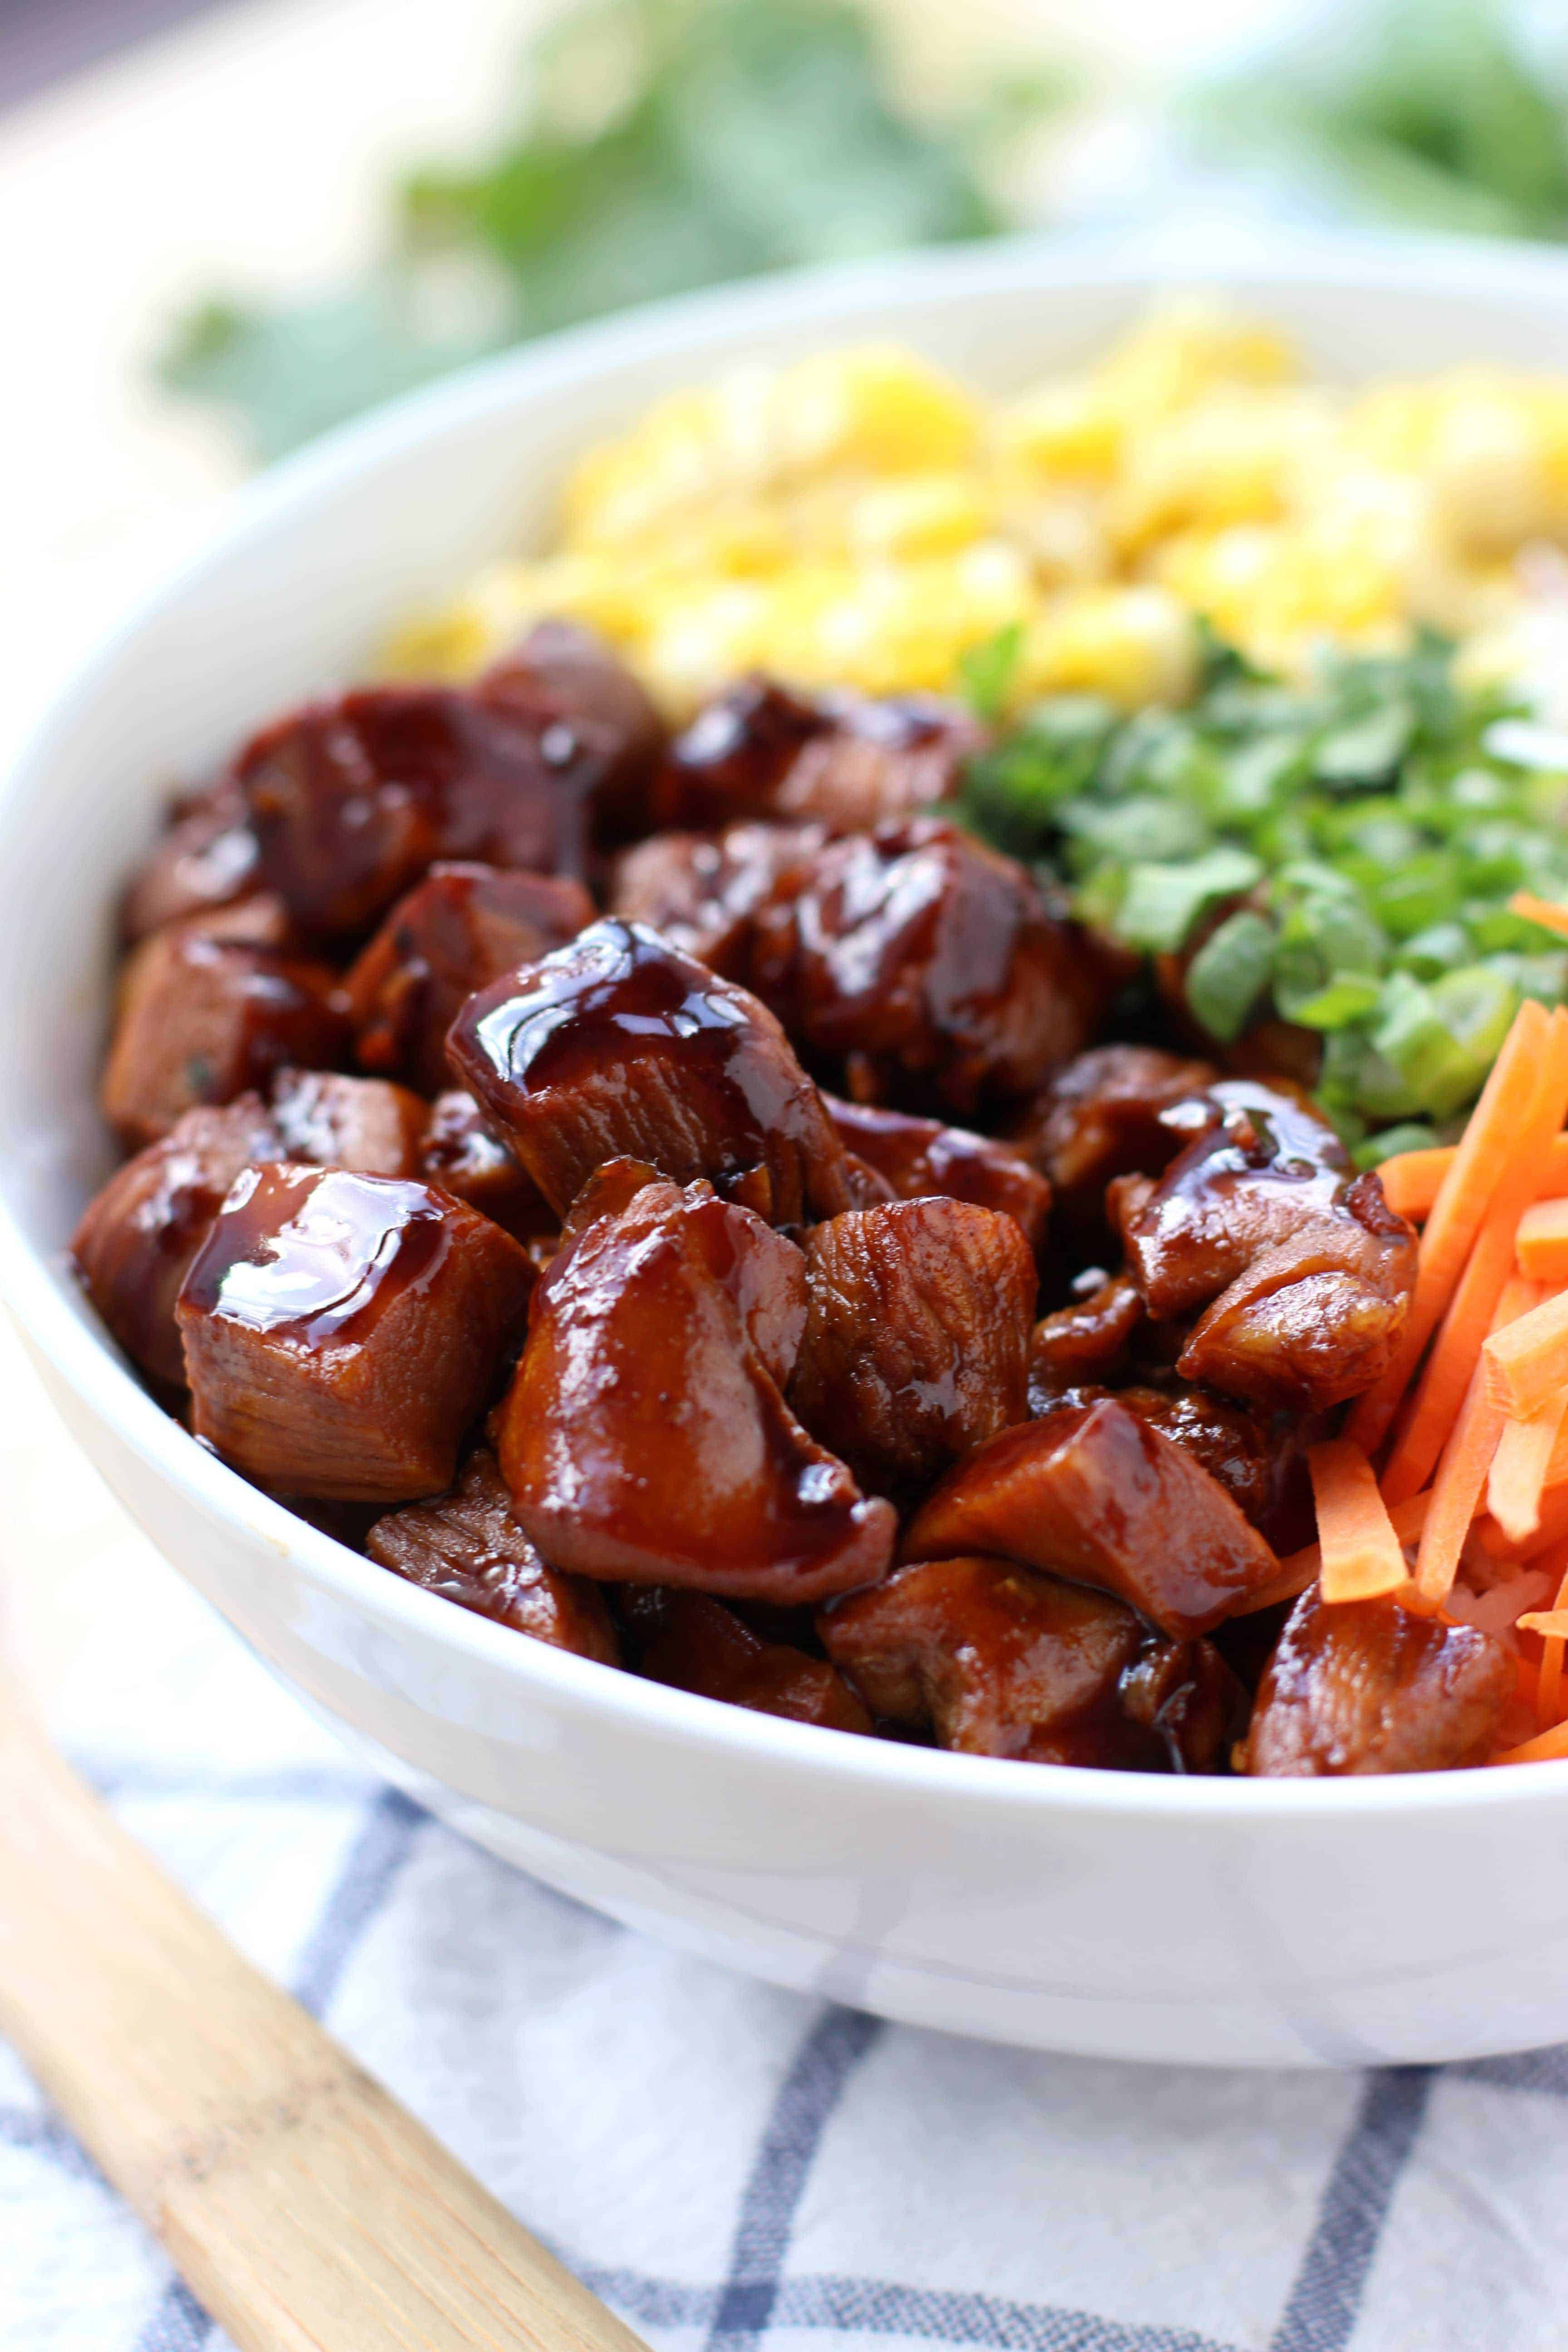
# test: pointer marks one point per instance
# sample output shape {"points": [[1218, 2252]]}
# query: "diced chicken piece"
{"points": [[139, 1234], [917, 1337], [1100, 1117], [564, 677], [926, 969], [458, 930], [618, 1046], [919, 1157], [466, 1546], [1001, 1660], [205, 858], [461, 1155], [841, 761], [644, 1437], [342, 1332], [351, 800], [1368, 1686], [694, 1642], [1259, 1460], [261, 920], [703, 892], [1087, 1341], [201, 1020], [1302, 1271], [368, 1125], [1094, 1493]]}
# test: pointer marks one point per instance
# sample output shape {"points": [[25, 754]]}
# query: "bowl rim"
{"points": [[830, 297]]}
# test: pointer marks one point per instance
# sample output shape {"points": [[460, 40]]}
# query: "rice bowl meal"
{"points": [[919, 1082]]}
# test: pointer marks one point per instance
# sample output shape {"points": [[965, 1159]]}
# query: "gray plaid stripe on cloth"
{"points": [[738, 2169]]}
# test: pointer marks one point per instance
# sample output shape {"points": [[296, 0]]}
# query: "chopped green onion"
{"points": [[1161, 903], [1230, 972]]}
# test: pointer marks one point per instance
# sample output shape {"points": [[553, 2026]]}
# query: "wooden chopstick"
{"points": [[306, 2210]]}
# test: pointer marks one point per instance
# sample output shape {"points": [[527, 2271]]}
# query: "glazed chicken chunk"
{"points": [[916, 1157], [924, 971], [460, 1154], [619, 1046], [694, 1642], [917, 1337], [341, 1332], [204, 1020], [1096, 1493], [138, 1236], [1001, 1660], [1298, 1272], [644, 1437], [461, 926], [467, 1546], [1100, 1115], [1368, 1686], [842, 761]]}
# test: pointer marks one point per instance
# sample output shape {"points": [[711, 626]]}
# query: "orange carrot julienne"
{"points": [[1542, 1241], [1549, 1683], [1299, 1569], [1551, 1623], [1457, 1350], [1543, 1749], [1363, 1556], [1518, 1468], [1528, 1363], [1457, 1489], [1544, 911], [1462, 1201], [1411, 1180], [1553, 1529]]}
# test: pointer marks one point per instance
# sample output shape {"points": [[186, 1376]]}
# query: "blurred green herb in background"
{"points": [[1434, 113], [668, 144]]}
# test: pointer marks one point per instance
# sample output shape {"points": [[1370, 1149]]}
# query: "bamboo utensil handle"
{"points": [[306, 2210]]}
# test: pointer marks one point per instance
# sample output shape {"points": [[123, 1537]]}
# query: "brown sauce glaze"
{"points": [[317, 1256], [342, 1332], [920, 1156], [644, 1437], [619, 1046], [1094, 1493], [1001, 1660], [1368, 1686], [1301, 1270]]}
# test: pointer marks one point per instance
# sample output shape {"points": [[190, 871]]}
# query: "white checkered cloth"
{"points": [[739, 2169]]}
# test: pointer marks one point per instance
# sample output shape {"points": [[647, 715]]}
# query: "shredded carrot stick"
{"points": [[1553, 1529], [1299, 1569], [1551, 1623], [1411, 1180], [1549, 1683], [1363, 1557], [1456, 1351], [1462, 1201], [1528, 1363], [1457, 1489], [1544, 911], [1542, 1241], [1518, 1469], [1543, 1749]]}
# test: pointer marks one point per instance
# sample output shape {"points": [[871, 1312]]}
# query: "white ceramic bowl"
{"points": [[1230, 1922]]}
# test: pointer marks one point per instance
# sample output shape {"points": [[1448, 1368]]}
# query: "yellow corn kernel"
{"points": [[878, 407], [1134, 645], [1062, 432], [918, 514], [1185, 350]]}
